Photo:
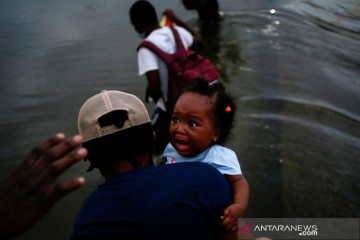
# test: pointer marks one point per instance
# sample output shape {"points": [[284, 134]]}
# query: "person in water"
{"points": [[201, 122], [138, 201], [208, 10], [144, 19]]}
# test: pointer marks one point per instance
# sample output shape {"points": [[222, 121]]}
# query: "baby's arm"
{"points": [[240, 189]]}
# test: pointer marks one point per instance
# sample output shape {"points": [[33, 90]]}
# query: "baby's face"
{"points": [[192, 128]]}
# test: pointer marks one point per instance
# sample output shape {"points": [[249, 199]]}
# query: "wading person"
{"points": [[208, 10], [144, 19], [138, 201]]}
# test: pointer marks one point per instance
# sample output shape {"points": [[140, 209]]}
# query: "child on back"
{"points": [[201, 121]]}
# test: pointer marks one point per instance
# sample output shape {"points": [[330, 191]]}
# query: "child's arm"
{"points": [[197, 40], [231, 214]]}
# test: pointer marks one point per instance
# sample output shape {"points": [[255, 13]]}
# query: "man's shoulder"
{"points": [[181, 30], [170, 169], [181, 170], [164, 33], [167, 30], [190, 166], [200, 171]]}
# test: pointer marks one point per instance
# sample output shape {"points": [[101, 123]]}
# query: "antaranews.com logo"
{"points": [[303, 230], [299, 228]]}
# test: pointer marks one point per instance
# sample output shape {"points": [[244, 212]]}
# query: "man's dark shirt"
{"points": [[177, 201]]}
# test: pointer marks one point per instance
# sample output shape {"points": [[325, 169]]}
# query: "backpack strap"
{"points": [[168, 58], [181, 51]]}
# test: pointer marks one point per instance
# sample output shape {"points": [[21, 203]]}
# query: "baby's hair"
{"points": [[225, 107]]}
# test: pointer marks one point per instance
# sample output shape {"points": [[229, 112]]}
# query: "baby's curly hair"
{"points": [[225, 106]]}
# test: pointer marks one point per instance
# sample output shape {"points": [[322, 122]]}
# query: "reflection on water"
{"points": [[294, 69], [292, 66]]}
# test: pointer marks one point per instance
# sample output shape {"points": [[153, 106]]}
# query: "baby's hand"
{"points": [[230, 217]]}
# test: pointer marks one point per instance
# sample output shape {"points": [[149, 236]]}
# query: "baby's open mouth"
{"points": [[181, 145]]}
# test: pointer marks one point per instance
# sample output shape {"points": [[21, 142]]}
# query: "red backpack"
{"points": [[183, 66]]}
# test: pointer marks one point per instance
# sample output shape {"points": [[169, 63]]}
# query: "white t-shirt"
{"points": [[164, 39]]}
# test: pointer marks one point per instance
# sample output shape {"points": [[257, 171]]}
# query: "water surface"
{"points": [[292, 66]]}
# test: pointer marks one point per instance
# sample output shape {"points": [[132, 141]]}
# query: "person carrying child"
{"points": [[201, 122]]}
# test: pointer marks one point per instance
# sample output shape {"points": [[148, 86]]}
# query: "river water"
{"points": [[292, 66]]}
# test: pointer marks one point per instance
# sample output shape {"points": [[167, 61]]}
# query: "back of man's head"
{"points": [[143, 11], [115, 126]]}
